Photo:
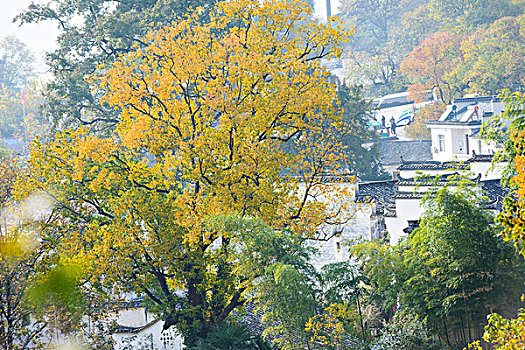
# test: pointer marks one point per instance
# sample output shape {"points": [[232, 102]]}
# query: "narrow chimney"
{"points": [[328, 9]]}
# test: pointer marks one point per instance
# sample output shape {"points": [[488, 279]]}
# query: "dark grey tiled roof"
{"points": [[426, 183], [495, 193], [432, 165], [481, 158], [408, 195], [379, 192], [133, 330], [394, 152], [435, 181]]}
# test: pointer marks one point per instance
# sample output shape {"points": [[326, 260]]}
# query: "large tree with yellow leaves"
{"points": [[226, 157]]}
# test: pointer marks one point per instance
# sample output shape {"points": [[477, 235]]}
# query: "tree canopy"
{"points": [[194, 191], [398, 42], [92, 32], [16, 64], [508, 333]]}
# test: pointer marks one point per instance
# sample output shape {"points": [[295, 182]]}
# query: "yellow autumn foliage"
{"points": [[232, 117]]}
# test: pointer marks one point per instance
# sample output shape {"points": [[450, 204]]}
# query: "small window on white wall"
{"points": [[441, 143], [171, 339], [479, 146]]}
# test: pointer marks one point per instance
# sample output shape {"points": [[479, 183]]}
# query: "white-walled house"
{"points": [[455, 146], [139, 330], [397, 203], [455, 135]]}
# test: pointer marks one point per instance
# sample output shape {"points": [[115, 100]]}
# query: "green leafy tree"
{"points": [[231, 336], [16, 64], [508, 333], [443, 280], [471, 14], [357, 114], [383, 272], [488, 73], [288, 298], [406, 332], [93, 32], [457, 265], [343, 287]]}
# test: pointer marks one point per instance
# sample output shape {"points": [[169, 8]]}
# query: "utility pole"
{"points": [[328, 9]]}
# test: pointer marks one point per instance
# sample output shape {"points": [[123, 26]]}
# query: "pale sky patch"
{"points": [[40, 37]]}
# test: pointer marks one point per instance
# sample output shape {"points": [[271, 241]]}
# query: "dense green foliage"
{"points": [[509, 333], [457, 267], [357, 110], [231, 336], [19, 118], [452, 271]]}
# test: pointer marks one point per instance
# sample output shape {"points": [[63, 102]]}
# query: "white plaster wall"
{"points": [[406, 209], [148, 339], [437, 155], [486, 170], [459, 144], [336, 249], [486, 147], [410, 174], [133, 317], [412, 189], [455, 144]]}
